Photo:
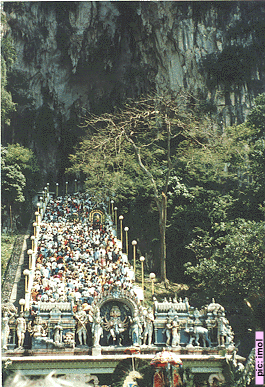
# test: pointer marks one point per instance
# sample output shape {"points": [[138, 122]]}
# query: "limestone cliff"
{"points": [[75, 57]]}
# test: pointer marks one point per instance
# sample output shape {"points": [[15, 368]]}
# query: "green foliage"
{"points": [[231, 257], [19, 175], [8, 56], [217, 179], [221, 178], [8, 51], [7, 242], [256, 117], [13, 179], [135, 149]]}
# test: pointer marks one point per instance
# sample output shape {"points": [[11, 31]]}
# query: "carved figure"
{"points": [[39, 328], [198, 332], [168, 330], [135, 329], [5, 330], [57, 336], [186, 300], [115, 326], [221, 329], [21, 330], [215, 308], [171, 330], [196, 316], [148, 324], [81, 329], [175, 333], [97, 331], [229, 336], [69, 339], [9, 308], [216, 379]]}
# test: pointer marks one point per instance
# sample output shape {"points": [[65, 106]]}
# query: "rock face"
{"points": [[76, 57]]}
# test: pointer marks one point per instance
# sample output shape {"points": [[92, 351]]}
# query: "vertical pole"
{"points": [[116, 221], [112, 213], [127, 248], [121, 218], [11, 223], [126, 229], [134, 243], [142, 259]]}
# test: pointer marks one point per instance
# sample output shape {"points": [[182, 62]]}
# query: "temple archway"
{"points": [[96, 217], [116, 310]]}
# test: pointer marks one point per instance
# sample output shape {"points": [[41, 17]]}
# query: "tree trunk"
{"points": [[11, 218], [162, 227]]}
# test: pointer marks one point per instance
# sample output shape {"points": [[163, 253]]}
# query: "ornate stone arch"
{"points": [[116, 309], [97, 214], [119, 296]]}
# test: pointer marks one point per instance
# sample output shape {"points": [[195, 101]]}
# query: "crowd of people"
{"points": [[77, 259]]}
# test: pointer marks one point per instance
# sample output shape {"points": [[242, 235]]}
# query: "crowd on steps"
{"points": [[77, 259]]}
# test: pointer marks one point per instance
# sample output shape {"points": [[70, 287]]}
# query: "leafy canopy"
{"points": [[17, 162]]}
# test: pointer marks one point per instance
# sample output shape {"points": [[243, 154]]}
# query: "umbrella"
{"points": [[132, 351], [163, 358]]}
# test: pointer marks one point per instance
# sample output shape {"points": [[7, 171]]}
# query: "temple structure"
{"points": [[69, 329]]}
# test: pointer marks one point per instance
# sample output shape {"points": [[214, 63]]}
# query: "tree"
{"points": [[230, 258], [138, 141], [256, 117], [19, 168]]}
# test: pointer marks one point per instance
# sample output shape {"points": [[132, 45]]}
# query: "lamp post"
{"points": [[112, 213], [48, 188], [30, 252], [126, 229], [116, 220], [35, 227], [121, 218], [45, 193], [22, 303], [57, 189], [142, 259], [66, 187], [152, 278], [37, 217], [26, 273], [134, 243], [32, 242], [41, 205], [75, 185]]}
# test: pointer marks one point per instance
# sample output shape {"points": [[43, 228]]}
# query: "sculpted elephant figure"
{"points": [[196, 333]]}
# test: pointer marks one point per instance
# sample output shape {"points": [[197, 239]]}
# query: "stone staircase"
{"points": [[13, 285]]}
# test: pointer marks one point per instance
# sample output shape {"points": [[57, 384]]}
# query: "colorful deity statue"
{"points": [[115, 325]]}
